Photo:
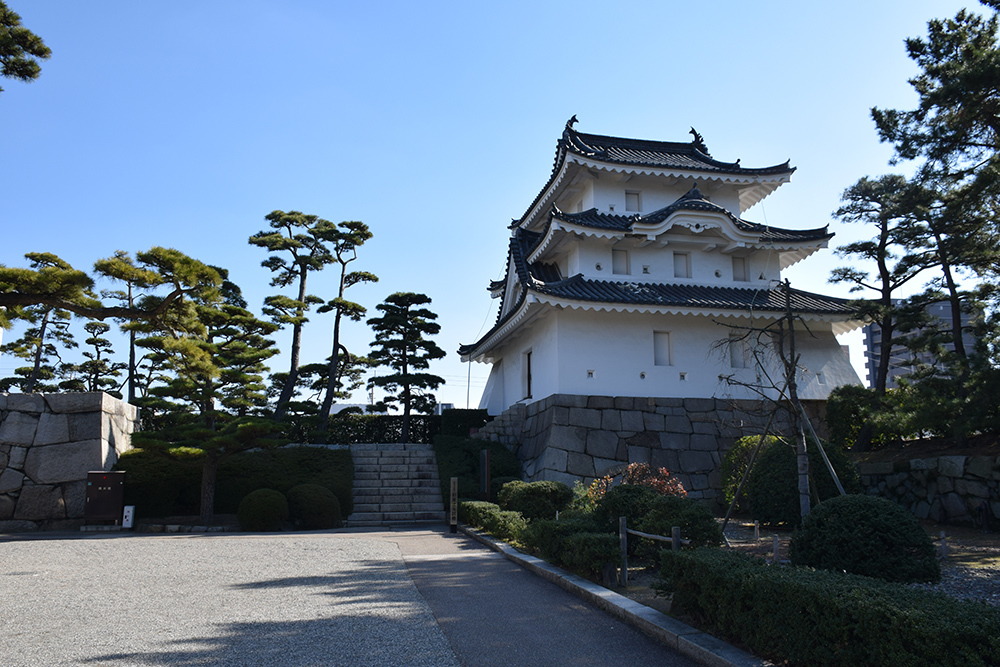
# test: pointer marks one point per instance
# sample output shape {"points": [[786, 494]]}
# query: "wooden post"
{"points": [[944, 546], [675, 538], [775, 549], [756, 531], [453, 505], [623, 539]]}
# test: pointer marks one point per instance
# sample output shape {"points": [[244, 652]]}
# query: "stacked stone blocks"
{"points": [[946, 489], [395, 483], [48, 443], [570, 438]]}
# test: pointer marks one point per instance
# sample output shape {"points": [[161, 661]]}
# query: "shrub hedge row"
{"points": [[159, 487], [828, 619], [503, 524]]}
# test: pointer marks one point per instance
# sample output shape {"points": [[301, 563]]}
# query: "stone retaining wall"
{"points": [[572, 438], [48, 443], [946, 489]]}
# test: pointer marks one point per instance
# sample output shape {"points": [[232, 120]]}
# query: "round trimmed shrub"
{"points": [[696, 521], [735, 463], [262, 510], [866, 535], [773, 489], [535, 500], [313, 507]]}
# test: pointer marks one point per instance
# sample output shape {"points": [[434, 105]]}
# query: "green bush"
{"points": [[815, 617], [263, 510], [285, 468], [772, 487], [692, 516], [866, 535], [460, 422], [160, 487], [502, 524], [535, 500], [735, 463], [459, 457], [313, 507], [588, 553], [549, 536]]}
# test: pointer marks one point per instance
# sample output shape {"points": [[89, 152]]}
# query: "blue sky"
{"points": [[184, 124]]}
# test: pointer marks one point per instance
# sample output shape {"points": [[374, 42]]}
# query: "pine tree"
{"points": [[400, 344], [344, 247], [19, 48], [297, 247]]}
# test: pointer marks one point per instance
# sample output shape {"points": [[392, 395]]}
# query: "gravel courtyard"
{"points": [[220, 600]]}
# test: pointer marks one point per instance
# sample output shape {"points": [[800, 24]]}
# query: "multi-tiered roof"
{"points": [[533, 281]]}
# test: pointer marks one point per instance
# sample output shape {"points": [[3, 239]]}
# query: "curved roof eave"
{"points": [[761, 181]]}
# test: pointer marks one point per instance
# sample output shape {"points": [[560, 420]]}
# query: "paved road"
{"points": [[411, 597]]}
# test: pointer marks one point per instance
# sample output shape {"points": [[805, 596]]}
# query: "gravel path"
{"points": [[171, 600]]}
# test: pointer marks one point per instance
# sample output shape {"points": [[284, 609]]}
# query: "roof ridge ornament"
{"points": [[698, 143], [693, 193]]}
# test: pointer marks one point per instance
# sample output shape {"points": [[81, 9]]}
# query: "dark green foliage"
{"points": [[625, 500], [828, 619], [402, 345], [588, 553], [460, 456], [692, 516], [313, 507], [19, 48], [850, 408], [160, 487], [549, 536], [535, 500], [735, 463], [263, 510], [772, 488], [866, 535], [461, 422], [631, 501], [502, 524]]}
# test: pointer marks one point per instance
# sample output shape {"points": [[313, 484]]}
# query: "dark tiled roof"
{"points": [[691, 156], [692, 201], [663, 154], [578, 288]]}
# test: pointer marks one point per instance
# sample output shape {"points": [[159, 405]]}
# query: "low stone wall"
{"points": [[48, 443], [946, 489], [577, 438]]}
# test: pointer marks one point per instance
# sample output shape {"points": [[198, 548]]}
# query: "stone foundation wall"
{"points": [[577, 438], [946, 489], [48, 443]]}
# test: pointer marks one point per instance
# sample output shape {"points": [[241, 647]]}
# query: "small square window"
{"points": [[682, 265], [738, 352], [633, 201]]}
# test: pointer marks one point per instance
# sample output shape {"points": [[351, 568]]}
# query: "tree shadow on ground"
{"points": [[375, 616]]}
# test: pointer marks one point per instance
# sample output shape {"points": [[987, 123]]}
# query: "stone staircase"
{"points": [[395, 484]]}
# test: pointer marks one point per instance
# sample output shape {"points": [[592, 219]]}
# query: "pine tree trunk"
{"points": [[36, 369], [208, 474], [293, 372]]}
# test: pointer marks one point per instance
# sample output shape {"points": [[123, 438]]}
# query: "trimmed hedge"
{"points": [[459, 457], [696, 521], [313, 507], [866, 535], [772, 487], [828, 619], [263, 510], [535, 500], [502, 524], [159, 487]]}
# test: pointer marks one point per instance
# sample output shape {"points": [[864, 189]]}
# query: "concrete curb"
{"points": [[696, 644]]}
